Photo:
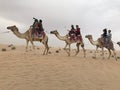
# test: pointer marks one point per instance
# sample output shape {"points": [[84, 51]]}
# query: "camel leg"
{"points": [[96, 51], [109, 53], [68, 52], [65, 46], [32, 44], [77, 45], [27, 41], [44, 49], [83, 50], [114, 55], [103, 52], [47, 49], [46, 46]]}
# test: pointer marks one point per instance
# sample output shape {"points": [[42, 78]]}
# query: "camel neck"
{"points": [[60, 37], [20, 35], [92, 42]]}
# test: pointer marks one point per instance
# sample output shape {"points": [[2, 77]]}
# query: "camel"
{"points": [[27, 37], [99, 44], [69, 42]]}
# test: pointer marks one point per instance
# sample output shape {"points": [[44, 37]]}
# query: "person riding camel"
{"points": [[40, 30], [72, 33], [109, 36], [35, 27], [104, 36], [78, 33]]}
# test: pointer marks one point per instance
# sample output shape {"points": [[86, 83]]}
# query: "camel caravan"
{"points": [[36, 33]]}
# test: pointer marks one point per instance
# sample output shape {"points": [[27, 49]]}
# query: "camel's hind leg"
{"points": [[114, 55], [109, 53], [27, 41], [77, 45], [46, 48], [84, 51]]}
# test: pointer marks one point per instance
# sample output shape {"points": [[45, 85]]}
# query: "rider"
{"points": [[109, 36], [104, 36], [40, 27], [72, 33], [35, 26], [78, 33]]}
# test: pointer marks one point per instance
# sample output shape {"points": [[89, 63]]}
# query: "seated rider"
{"points": [[72, 33], [78, 33], [104, 36], [109, 36], [40, 27], [35, 27]]}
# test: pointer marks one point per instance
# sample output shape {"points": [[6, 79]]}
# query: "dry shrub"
{"points": [[13, 48], [57, 51], [4, 49], [38, 48], [49, 52]]}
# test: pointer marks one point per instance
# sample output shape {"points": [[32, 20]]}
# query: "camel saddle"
{"points": [[76, 38], [36, 35]]}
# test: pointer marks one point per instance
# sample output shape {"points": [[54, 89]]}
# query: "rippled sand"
{"points": [[20, 70]]}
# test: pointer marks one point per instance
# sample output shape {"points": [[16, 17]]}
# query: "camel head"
{"points": [[12, 28], [88, 36], [118, 43], [54, 32]]}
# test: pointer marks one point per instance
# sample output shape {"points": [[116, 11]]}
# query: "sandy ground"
{"points": [[20, 70]]}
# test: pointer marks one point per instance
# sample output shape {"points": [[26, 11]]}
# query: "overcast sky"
{"points": [[91, 15]]}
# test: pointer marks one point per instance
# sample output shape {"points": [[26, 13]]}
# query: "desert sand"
{"points": [[20, 70]]}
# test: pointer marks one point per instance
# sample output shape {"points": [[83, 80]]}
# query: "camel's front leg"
{"points": [[68, 52], [27, 41], [114, 55], [84, 51], [32, 44], [65, 46], [96, 51]]}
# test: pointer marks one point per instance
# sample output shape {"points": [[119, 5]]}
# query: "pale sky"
{"points": [[91, 15]]}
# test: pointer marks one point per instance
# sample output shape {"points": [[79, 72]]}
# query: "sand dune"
{"points": [[20, 70]]}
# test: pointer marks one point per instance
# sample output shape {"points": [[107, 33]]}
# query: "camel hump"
{"points": [[99, 40]]}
